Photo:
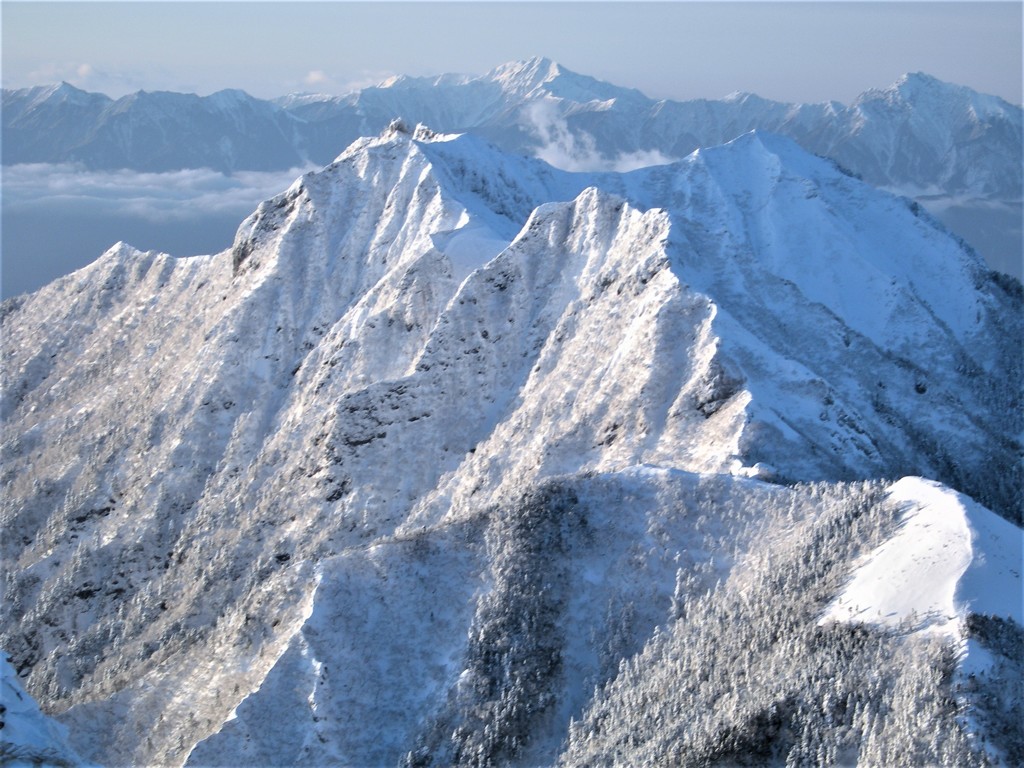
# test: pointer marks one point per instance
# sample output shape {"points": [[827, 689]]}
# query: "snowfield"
{"points": [[949, 556]]}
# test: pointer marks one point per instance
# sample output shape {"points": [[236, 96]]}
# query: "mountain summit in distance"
{"points": [[455, 457], [918, 108], [955, 151]]}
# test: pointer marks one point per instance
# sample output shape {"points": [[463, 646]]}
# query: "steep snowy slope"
{"points": [[434, 393], [754, 226], [555, 588], [27, 736], [751, 673], [953, 570]]}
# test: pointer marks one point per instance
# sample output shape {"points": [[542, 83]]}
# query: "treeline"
{"points": [[742, 672], [746, 675]]}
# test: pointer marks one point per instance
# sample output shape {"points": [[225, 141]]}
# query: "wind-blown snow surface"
{"points": [[950, 556], [950, 564], [292, 471]]}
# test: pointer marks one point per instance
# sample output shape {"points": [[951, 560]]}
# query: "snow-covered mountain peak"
{"points": [[523, 77], [226, 100], [301, 98], [913, 84], [397, 135], [424, 133], [920, 88], [330, 423], [779, 181], [61, 95], [229, 98], [65, 92], [146, 106], [756, 143], [745, 97], [408, 82], [947, 104], [397, 127], [541, 77], [777, 236], [784, 196], [394, 81]]}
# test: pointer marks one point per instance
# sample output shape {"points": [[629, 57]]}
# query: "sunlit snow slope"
{"points": [[298, 471], [950, 556]]}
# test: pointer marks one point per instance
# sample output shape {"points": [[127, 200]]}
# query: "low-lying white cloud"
{"points": [[642, 158], [158, 197], [325, 82], [576, 150], [58, 218], [561, 147], [316, 77]]}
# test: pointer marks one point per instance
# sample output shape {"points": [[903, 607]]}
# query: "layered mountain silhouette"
{"points": [[919, 133], [952, 149]]}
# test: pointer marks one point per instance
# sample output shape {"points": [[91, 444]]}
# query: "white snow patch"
{"points": [[759, 471], [469, 247], [950, 556], [27, 736]]}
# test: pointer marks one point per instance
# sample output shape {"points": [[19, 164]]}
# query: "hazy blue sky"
{"points": [[809, 51]]}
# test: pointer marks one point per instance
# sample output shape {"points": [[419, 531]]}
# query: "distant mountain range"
{"points": [[227, 131], [919, 133], [957, 151]]}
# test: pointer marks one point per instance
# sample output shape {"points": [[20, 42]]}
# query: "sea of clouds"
{"points": [[58, 218]]}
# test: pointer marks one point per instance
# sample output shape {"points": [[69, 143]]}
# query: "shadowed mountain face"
{"points": [[448, 434], [161, 131]]}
